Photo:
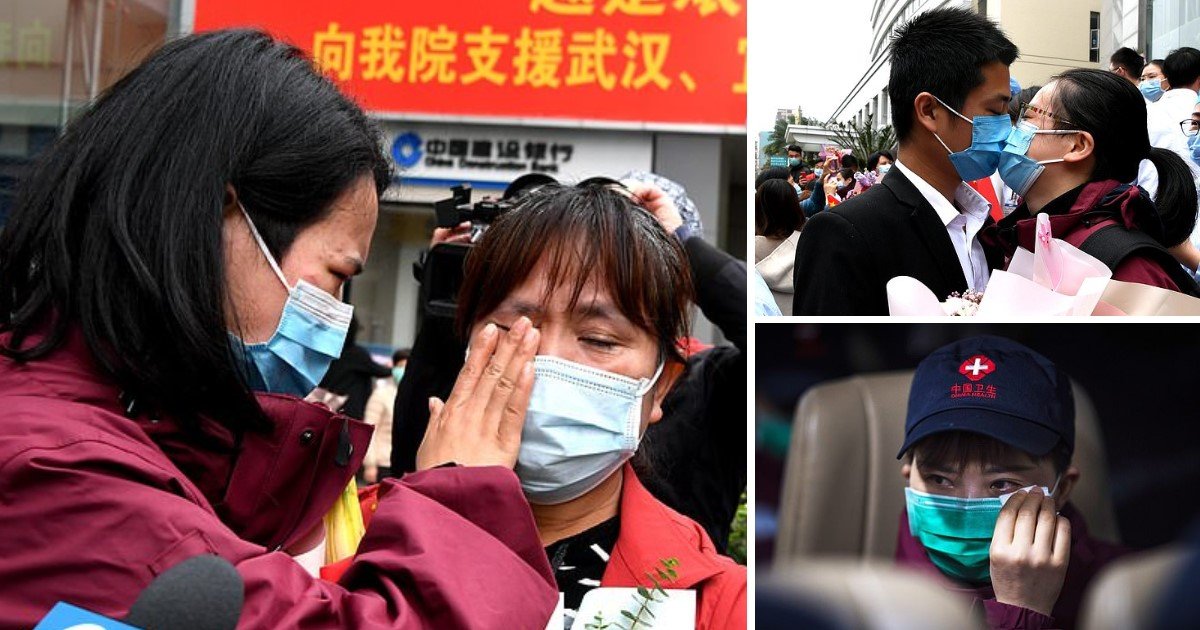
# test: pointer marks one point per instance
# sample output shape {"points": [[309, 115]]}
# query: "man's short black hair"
{"points": [[794, 148], [850, 162], [942, 52], [1129, 59], [1182, 66]]}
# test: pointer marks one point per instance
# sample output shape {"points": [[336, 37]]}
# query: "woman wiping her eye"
{"points": [[608, 291]]}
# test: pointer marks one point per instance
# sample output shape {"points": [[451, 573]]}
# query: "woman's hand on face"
{"points": [[480, 423]]}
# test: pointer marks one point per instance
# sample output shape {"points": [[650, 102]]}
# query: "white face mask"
{"points": [[581, 426]]}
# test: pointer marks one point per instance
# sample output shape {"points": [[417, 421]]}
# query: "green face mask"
{"points": [[398, 373], [956, 533]]}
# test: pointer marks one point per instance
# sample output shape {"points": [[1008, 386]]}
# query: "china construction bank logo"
{"points": [[975, 369], [406, 150]]}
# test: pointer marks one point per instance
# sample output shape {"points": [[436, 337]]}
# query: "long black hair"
{"points": [[1114, 112], [117, 232]]}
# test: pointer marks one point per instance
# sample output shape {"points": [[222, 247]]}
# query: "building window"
{"points": [[1094, 37]]}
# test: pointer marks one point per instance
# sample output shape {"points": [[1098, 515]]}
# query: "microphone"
{"points": [[201, 593]]}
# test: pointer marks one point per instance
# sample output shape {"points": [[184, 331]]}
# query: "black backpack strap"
{"points": [[1113, 244]]}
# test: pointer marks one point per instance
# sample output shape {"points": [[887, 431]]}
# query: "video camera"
{"points": [[441, 272]]}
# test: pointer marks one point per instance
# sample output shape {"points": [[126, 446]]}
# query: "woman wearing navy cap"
{"points": [[988, 441]]}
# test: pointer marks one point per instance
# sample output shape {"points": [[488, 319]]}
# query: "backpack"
{"points": [[1112, 244]]}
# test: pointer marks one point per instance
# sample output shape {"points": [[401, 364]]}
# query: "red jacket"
{"points": [[95, 504], [651, 532], [1088, 557]]}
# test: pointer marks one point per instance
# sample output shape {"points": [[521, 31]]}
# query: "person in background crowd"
{"points": [[1127, 63], [810, 206], [609, 295], [1067, 159], [1192, 130], [764, 301], [949, 93], [843, 183], [353, 374], [794, 154], [778, 221], [160, 322], [879, 163], [1182, 71], [988, 485], [1153, 82], [377, 464], [796, 175], [1165, 123]]}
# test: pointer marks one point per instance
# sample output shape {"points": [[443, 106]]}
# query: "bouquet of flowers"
{"points": [[1056, 278]]}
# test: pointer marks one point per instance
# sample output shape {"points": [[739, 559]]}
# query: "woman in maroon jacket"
{"points": [[1074, 154], [168, 286]]}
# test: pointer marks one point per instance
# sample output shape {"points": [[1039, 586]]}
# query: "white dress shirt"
{"points": [[963, 224]]}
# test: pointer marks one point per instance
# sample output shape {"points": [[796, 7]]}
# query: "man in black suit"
{"points": [[949, 74]]}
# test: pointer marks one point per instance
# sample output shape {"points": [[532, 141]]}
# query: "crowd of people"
{"points": [[1112, 157], [165, 321]]}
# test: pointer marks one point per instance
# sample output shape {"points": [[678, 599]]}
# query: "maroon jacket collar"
{"points": [[1080, 209], [270, 489]]}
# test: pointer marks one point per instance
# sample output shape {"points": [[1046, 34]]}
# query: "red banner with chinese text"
{"points": [[651, 62]]}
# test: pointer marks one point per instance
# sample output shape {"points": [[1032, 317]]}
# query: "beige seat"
{"points": [[1127, 593], [878, 594], [843, 493]]}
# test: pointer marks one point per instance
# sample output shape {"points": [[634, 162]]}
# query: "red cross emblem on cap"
{"points": [[977, 367]]}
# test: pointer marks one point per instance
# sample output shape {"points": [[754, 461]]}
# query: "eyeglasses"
{"points": [[1028, 109], [1190, 126]]}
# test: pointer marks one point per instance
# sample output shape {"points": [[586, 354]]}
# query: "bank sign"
{"points": [[438, 155], [646, 64]]}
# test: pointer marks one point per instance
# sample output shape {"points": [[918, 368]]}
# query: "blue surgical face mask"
{"points": [[581, 426], [397, 373], [1018, 170], [818, 171], [1151, 89], [957, 533], [988, 134], [1194, 145], [798, 189], [794, 161], [882, 169], [310, 335]]}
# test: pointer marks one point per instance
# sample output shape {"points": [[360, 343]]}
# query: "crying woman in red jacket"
{"points": [[170, 284], [608, 289]]}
